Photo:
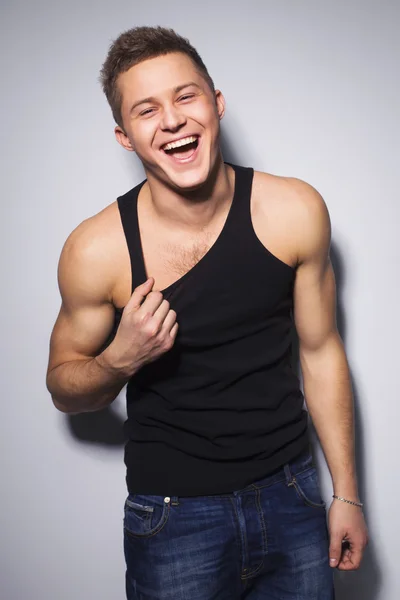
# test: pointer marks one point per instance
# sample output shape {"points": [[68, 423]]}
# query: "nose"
{"points": [[172, 119]]}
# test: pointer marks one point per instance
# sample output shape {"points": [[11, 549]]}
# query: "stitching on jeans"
{"points": [[264, 534], [239, 532], [303, 498], [254, 572], [142, 507], [164, 520], [263, 526]]}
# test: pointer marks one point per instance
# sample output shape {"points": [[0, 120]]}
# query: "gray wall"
{"points": [[312, 91]]}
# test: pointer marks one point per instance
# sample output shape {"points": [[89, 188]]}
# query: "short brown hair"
{"points": [[139, 44]]}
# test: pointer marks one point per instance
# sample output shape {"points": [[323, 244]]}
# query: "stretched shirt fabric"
{"points": [[223, 408]]}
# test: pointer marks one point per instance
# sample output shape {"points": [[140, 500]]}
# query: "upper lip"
{"points": [[181, 137]]}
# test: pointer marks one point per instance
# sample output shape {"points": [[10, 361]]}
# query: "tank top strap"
{"points": [[240, 217], [127, 205]]}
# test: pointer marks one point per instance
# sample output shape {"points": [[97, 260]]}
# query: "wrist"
{"points": [[355, 503], [108, 363], [349, 491], [352, 496], [346, 486]]}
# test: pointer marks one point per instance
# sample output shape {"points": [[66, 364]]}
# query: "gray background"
{"points": [[312, 91]]}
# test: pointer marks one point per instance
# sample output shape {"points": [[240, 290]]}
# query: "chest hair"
{"points": [[181, 259]]}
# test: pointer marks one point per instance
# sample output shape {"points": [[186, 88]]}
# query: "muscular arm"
{"points": [[326, 375], [324, 366], [79, 377]]}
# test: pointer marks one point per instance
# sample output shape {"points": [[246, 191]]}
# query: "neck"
{"points": [[192, 210]]}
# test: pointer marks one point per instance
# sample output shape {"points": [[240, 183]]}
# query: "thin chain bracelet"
{"points": [[360, 504]]}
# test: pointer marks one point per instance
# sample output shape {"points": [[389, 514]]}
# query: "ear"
{"points": [[123, 139], [220, 103]]}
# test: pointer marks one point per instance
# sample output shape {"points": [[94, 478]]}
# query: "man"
{"points": [[205, 264]]}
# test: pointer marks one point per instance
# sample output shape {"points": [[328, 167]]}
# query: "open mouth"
{"points": [[183, 150]]}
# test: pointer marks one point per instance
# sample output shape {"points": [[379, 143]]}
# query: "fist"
{"points": [[147, 329]]}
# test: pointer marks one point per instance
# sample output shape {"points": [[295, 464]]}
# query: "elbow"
{"points": [[51, 386], [68, 407], [60, 403], [60, 406], [319, 345]]}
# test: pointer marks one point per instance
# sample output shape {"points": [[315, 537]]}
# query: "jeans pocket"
{"points": [[306, 486], [145, 516]]}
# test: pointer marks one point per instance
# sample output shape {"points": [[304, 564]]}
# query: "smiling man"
{"points": [[186, 288]]}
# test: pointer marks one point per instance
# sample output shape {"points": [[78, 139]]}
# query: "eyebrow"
{"points": [[152, 99]]}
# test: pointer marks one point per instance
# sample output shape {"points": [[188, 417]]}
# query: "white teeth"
{"points": [[178, 143]]}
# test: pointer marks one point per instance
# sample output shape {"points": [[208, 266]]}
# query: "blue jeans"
{"points": [[267, 541]]}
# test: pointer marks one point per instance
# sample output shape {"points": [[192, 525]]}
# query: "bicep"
{"points": [[79, 333], [86, 316], [315, 303], [314, 287]]}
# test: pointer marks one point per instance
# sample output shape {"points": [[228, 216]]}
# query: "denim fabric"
{"points": [[267, 541]]}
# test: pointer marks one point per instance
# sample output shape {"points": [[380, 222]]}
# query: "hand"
{"points": [[346, 523], [147, 330]]}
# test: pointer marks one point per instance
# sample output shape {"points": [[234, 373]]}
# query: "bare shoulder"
{"points": [[296, 210], [289, 194], [86, 279], [86, 269]]}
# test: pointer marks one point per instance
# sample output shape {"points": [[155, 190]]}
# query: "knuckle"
{"points": [[156, 296], [152, 328], [153, 332], [168, 342], [140, 318], [145, 319]]}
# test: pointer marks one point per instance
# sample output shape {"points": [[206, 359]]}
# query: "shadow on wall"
{"points": [[366, 582], [105, 427]]}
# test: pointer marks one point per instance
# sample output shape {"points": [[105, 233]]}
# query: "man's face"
{"points": [[164, 100]]}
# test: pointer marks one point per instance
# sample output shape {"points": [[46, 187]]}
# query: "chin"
{"points": [[189, 182], [189, 179]]}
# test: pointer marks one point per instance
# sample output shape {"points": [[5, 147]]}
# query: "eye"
{"points": [[186, 96], [146, 112]]}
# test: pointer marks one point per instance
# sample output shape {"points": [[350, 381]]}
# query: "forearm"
{"points": [[329, 399], [85, 385]]}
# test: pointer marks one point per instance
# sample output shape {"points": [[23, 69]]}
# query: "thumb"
{"points": [[335, 549], [140, 293]]}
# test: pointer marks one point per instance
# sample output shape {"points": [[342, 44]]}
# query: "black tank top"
{"points": [[223, 408]]}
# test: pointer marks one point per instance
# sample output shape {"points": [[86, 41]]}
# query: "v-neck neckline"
{"points": [[204, 258]]}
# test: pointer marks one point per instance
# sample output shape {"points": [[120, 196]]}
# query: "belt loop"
{"points": [[288, 474], [174, 501]]}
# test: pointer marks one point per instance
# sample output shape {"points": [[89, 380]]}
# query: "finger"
{"points": [[169, 322], [139, 294], [335, 549], [174, 331], [352, 557], [162, 311], [356, 554], [151, 303], [345, 562], [346, 565]]}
